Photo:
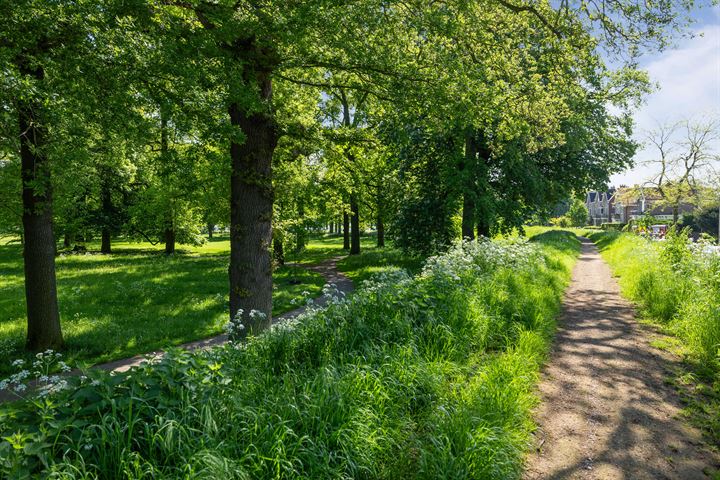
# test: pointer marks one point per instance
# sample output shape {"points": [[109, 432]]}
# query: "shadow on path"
{"points": [[606, 411]]}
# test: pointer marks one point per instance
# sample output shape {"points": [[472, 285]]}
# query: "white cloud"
{"points": [[689, 80]]}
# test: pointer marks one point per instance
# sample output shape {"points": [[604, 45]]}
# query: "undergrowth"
{"points": [[427, 376], [676, 285]]}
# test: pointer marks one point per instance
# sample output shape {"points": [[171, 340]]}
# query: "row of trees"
{"points": [[155, 117]]}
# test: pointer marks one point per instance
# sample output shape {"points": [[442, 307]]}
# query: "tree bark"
{"points": [[483, 228], [210, 228], [67, 241], [380, 232], [468, 217], [278, 251], [468, 212], [106, 205], [169, 240], [105, 242], [355, 225], [346, 231], [43, 316], [251, 206]]}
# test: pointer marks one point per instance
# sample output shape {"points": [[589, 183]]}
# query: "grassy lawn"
{"points": [[371, 260], [135, 300], [322, 247]]}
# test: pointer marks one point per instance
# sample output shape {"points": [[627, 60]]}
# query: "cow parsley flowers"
{"points": [[41, 375]]}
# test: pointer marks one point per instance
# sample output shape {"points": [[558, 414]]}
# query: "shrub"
{"points": [[562, 222], [578, 214], [613, 226]]}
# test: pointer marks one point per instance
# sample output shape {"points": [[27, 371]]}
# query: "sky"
{"points": [[688, 78]]}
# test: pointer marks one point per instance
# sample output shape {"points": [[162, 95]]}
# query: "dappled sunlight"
{"points": [[123, 304]]}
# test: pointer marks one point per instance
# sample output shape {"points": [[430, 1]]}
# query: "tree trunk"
{"points": [[380, 232], [300, 232], [468, 217], [355, 225], [468, 212], [483, 228], [105, 244], [676, 214], [43, 316], [106, 205], [67, 241], [278, 252], [251, 206], [210, 229], [169, 240], [346, 231]]}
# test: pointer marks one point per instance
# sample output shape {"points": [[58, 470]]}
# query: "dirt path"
{"points": [[606, 411], [326, 268]]}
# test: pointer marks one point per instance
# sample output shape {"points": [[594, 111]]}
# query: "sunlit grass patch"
{"points": [[136, 300]]}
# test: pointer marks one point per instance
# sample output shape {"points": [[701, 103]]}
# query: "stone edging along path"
{"points": [[326, 268], [606, 411]]}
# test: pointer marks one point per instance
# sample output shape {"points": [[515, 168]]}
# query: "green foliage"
{"points": [[676, 251], [613, 226], [431, 375], [562, 222], [424, 223], [703, 220], [578, 213], [375, 261]]}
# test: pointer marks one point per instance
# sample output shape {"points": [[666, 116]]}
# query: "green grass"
{"points": [[683, 301], [374, 261], [135, 300], [426, 377], [322, 247]]}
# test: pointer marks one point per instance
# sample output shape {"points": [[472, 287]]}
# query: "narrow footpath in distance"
{"points": [[606, 411]]}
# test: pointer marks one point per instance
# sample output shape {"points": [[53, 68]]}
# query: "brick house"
{"points": [[624, 204]]}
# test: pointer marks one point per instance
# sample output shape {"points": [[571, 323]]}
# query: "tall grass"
{"points": [[673, 285], [676, 285], [427, 376]]}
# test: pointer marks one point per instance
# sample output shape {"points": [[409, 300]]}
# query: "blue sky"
{"points": [[688, 78]]}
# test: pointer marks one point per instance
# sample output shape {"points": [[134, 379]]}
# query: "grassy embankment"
{"points": [[678, 291], [137, 299], [430, 376]]}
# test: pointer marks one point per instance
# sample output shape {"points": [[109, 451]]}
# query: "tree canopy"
{"points": [[162, 119]]}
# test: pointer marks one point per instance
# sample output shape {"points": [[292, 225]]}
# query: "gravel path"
{"points": [[606, 411]]}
